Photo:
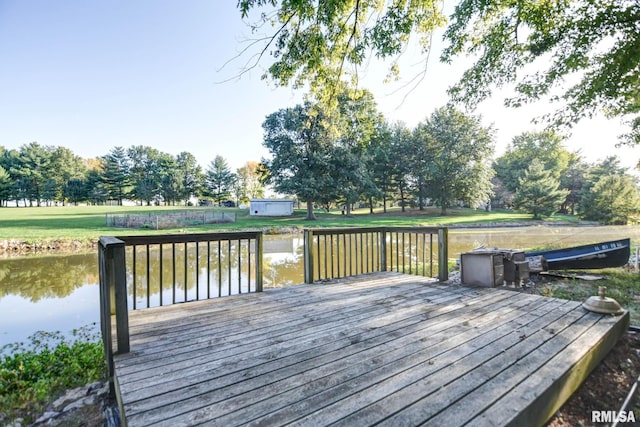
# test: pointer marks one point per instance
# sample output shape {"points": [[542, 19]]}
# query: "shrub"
{"points": [[32, 374]]}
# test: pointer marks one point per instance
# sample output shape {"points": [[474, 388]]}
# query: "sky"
{"points": [[91, 75]]}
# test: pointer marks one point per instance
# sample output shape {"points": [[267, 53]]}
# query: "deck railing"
{"points": [[331, 253], [155, 270]]}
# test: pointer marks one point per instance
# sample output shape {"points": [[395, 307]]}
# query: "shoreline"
{"points": [[64, 246], [19, 247]]}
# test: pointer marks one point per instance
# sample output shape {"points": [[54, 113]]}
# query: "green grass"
{"points": [[33, 374], [35, 225], [622, 285]]}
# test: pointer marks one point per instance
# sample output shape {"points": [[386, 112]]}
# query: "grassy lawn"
{"points": [[622, 285], [34, 225]]}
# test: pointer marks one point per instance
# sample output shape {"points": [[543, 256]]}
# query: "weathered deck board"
{"points": [[386, 347]]}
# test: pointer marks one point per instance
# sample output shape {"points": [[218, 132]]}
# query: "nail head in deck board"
{"points": [[384, 331]]}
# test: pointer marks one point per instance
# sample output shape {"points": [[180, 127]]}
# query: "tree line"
{"points": [[579, 56], [350, 154], [344, 156], [38, 174]]}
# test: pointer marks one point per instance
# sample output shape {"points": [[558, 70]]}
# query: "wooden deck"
{"points": [[382, 348]]}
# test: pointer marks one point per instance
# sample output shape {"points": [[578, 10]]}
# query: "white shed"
{"points": [[271, 207]]}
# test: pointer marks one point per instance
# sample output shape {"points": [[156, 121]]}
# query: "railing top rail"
{"points": [[409, 229], [351, 230], [109, 240], [154, 239]]}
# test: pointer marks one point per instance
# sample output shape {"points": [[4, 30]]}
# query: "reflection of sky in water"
{"points": [[20, 318]]}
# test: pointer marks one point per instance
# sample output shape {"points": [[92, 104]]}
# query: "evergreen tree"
{"points": [[76, 190], [546, 146], [609, 193], [5, 186], [33, 168], [115, 174], [191, 175], [219, 180], [538, 192], [615, 200]]}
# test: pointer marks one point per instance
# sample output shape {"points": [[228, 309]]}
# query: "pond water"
{"points": [[60, 293]]}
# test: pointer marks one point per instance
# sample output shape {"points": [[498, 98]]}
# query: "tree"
{"points": [[191, 175], [357, 123], [96, 191], [457, 150], [539, 193], [76, 190], [594, 43], [144, 173], [614, 200], [300, 146], [380, 167], [5, 186], [502, 197], [546, 147], [169, 178], [606, 186], [401, 151], [248, 183], [573, 180], [66, 166], [32, 169], [219, 180], [322, 42], [115, 174], [9, 160]]}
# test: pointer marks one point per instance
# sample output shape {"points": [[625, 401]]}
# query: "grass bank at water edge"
{"points": [[33, 374]]}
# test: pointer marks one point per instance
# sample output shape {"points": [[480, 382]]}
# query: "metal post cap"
{"points": [[602, 304]]}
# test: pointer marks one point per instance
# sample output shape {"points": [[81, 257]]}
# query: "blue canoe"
{"points": [[596, 255]]}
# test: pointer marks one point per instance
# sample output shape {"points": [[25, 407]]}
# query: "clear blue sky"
{"points": [[94, 74]]}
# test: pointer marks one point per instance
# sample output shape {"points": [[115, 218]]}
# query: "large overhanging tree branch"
{"points": [[587, 53], [582, 54], [323, 42]]}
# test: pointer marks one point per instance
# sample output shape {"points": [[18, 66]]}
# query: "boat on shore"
{"points": [[593, 256]]}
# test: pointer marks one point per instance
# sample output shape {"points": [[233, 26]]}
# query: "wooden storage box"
{"points": [[482, 268]]}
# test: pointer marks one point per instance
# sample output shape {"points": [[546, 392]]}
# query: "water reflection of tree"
{"points": [[216, 265], [288, 271], [37, 278]]}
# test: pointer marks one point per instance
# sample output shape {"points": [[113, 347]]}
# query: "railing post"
{"points": [[308, 256], [105, 312], [443, 254], [120, 286], [113, 298], [383, 249], [259, 257]]}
